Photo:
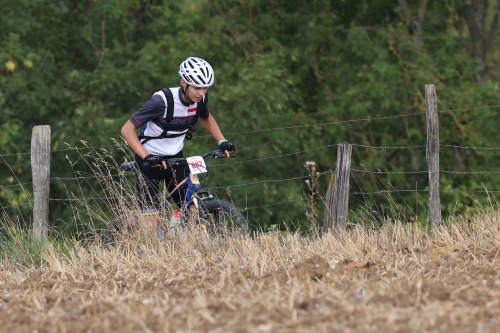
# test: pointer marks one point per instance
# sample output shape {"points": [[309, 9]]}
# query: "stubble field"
{"points": [[394, 279]]}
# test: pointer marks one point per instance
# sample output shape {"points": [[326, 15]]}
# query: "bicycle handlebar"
{"points": [[174, 161]]}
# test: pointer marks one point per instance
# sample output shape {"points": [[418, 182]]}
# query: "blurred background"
{"points": [[292, 79]]}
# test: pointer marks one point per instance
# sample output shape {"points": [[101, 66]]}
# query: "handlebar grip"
{"points": [[218, 154]]}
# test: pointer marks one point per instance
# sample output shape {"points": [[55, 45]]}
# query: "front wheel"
{"points": [[224, 218]]}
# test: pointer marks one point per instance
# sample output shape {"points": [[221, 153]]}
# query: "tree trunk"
{"points": [[475, 12], [415, 20]]}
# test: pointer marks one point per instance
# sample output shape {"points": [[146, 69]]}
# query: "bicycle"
{"points": [[211, 213]]}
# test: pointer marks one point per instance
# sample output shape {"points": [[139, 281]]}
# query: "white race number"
{"points": [[196, 164]]}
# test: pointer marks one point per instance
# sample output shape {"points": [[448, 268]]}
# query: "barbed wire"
{"points": [[467, 191], [15, 185], [65, 178], [276, 156], [323, 124], [473, 148], [387, 147], [470, 172], [85, 147], [15, 206], [426, 171], [261, 182], [473, 108], [388, 172], [85, 177], [88, 199], [387, 191], [269, 205], [13, 154], [306, 151], [270, 181], [60, 150], [409, 190]]}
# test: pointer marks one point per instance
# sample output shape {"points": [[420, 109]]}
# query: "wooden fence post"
{"points": [[337, 196], [432, 155], [40, 168]]}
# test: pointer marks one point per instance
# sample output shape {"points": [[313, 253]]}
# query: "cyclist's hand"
{"points": [[227, 148], [155, 161]]}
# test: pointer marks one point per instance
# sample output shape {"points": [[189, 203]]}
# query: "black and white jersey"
{"points": [[152, 119]]}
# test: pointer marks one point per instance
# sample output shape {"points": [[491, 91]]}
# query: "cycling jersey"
{"points": [[151, 119]]}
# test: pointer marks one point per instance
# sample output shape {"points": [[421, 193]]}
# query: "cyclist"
{"points": [[162, 134]]}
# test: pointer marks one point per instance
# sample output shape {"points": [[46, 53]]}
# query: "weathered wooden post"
{"points": [[40, 168], [432, 155], [337, 196]]}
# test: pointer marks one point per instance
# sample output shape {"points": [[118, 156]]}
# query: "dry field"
{"points": [[391, 280]]}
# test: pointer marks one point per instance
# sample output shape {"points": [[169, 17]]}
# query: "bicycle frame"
{"points": [[194, 189]]}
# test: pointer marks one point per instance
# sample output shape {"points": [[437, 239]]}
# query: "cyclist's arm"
{"points": [[212, 128], [129, 134], [153, 108]]}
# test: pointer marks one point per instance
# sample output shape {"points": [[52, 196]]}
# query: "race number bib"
{"points": [[196, 164]]}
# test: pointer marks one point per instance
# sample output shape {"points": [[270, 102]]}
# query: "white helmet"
{"points": [[197, 72]]}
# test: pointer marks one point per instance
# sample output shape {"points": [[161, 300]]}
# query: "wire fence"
{"points": [[15, 185], [17, 205], [293, 153], [285, 127], [472, 148], [90, 199], [321, 124], [472, 108]]}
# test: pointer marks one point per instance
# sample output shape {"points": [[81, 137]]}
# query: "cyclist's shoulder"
{"points": [[154, 104], [161, 95], [164, 91], [155, 101]]}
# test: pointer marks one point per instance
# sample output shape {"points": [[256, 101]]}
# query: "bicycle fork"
{"points": [[201, 215]]}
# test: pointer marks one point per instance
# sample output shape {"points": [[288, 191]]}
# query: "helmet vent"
{"points": [[201, 79]]}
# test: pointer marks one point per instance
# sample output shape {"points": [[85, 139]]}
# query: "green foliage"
{"points": [[18, 246], [85, 67]]}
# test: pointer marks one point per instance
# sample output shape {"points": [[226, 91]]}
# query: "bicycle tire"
{"points": [[235, 224]]}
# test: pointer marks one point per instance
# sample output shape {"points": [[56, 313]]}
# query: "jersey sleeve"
{"points": [[205, 113], [154, 108]]}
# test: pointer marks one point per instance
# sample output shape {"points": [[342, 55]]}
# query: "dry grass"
{"points": [[394, 280]]}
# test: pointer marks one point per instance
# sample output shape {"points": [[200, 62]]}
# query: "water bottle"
{"points": [[175, 219]]}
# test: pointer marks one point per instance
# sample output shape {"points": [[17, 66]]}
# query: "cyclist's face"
{"points": [[194, 93]]}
